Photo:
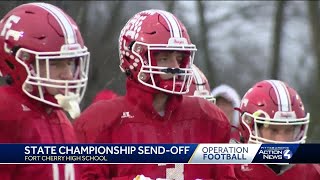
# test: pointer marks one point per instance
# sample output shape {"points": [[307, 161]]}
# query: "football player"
{"points": [[45, 63], [156, 55], [273, 112]]}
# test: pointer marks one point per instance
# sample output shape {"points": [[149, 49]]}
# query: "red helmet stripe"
{"points": [[281, 91], [64, 22], [288, 96], [175, 29]]}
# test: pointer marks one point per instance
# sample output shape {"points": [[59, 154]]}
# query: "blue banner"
{"points": [[96, 153], [160, 153]]}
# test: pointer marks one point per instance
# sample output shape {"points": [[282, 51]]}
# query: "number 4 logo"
{"points": [[287, 154], [8, 32]]}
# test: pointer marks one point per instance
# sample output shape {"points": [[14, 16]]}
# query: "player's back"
{"points": [[23, 120], [291, 172], [126, 120]]}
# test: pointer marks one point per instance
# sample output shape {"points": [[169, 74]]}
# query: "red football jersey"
{"points": [[293, 172], [23, 120], [132, 119]]}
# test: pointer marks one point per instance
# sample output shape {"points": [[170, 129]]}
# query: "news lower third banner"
{"points": [[160, 153]]}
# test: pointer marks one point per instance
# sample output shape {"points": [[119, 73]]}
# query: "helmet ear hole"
{"points": [[9, 79], [15, 50], [130, 45]]}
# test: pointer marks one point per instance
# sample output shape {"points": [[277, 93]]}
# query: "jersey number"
{"points": [[68, 172]]}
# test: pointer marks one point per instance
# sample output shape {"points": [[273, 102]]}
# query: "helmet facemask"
{"points": [[297, 127], [70, 90], [149, 74]]}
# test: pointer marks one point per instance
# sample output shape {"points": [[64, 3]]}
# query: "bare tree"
{"points": [[315, 30], [315, 37], [237, 11], [170, 5], [204, 44], [113, 21], [6, 6], [104, 51], [277, 34]]}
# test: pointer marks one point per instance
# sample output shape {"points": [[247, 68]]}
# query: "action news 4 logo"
{"points": [[275, 153]]}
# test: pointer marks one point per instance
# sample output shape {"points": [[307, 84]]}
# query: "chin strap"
{"points": [[70, 104]]}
